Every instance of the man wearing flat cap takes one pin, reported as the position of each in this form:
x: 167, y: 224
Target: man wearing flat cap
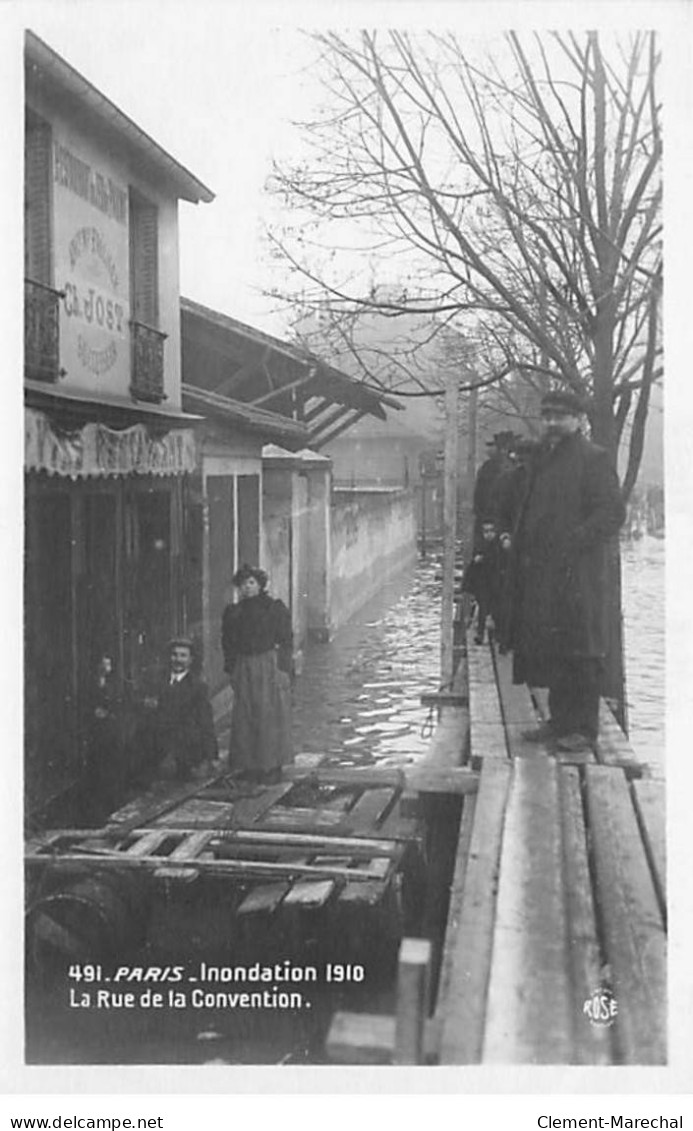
x: 184, y: 725
x: 557, y: 630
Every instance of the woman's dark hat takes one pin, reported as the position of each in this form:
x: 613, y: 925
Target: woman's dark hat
x: 564, y: 401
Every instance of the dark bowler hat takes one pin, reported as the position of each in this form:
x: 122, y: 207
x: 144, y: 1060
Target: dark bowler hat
x: 501, y: 440
x: 564, y: 401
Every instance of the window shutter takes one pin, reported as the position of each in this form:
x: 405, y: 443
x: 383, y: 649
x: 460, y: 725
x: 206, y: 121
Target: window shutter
x: 144, y: 260
x: 37, y: 201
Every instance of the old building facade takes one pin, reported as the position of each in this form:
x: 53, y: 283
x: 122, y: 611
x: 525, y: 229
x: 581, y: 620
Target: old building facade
x: 108, y: 447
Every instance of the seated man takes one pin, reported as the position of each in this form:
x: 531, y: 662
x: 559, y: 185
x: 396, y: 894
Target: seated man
x: 183, y: 723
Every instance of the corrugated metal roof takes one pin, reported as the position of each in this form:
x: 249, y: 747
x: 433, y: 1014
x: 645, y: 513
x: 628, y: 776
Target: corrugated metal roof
x: 57, y: 70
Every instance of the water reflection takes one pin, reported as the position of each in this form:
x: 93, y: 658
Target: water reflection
x: 644, y: 623
x: 358, y: 698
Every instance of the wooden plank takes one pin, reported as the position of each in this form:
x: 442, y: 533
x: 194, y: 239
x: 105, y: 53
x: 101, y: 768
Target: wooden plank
x: 464, y: 837
x: 592, y: 1042
x: 264, y: 899
x: 368, y: 893
x: 650, y: 807
x: 426, y: 777
x: 484, y: 704
x: 361, y: 1038
x: 613, y: 748
x: 479, y: 659
x: 309, y: 894
x: 250, y: 809
x: 381, y: 867
x: 632, y: 924
x: 224, y: 867
x: 191, y: 846
x: 370, y: 809
x: 180, y: 873
x: 400, y: 826
x: 516, y: 702
x: 348, y: 845
x: 295, y: 818
x: 368, y: 776
x: 530, y: 964
x: 413, y: 987
x: 369, y: 1038
x: 487, y: 732
x: 42, y: 841
x: 156, y: 801
x: 199, y: 814
x: 147, y: 843
x: 449, y: 746
x: 366, y: 847
x: 465, y: 1008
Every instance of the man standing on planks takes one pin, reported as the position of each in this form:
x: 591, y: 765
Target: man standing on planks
x: 557, y: 593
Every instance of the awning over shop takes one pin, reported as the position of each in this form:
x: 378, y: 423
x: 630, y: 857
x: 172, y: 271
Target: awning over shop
x: 96, y: 450
x: 227, y: 358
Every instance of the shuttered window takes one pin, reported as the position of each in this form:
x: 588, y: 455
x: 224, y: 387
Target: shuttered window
x: 37, y: 200
x: 144, y: 260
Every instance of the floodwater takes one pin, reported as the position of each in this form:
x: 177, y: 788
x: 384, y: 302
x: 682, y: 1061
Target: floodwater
x: 644, y: 625
x: 357, y: 700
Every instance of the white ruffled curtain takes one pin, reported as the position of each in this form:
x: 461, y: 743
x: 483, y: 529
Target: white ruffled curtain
x: 96, y: 450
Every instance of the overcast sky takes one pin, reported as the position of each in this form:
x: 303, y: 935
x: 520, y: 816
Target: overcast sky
x: 218, y: 93
x: 217, y: 85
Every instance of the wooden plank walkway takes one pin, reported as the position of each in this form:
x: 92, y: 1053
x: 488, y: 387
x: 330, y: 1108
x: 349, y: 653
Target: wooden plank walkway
x: 558, y: 899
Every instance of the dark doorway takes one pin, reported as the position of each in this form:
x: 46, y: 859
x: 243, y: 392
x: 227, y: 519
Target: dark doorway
x: 220, y: 496
x: 52, y: 752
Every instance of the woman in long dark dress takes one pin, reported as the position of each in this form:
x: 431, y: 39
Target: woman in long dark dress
x: 257, y: 640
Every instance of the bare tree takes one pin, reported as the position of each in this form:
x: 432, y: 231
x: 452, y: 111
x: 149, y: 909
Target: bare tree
x: 517, y: 192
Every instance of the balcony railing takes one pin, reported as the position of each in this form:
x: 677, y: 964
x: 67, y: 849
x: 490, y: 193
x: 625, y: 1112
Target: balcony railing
x: 41, y: 331
x: 147, y: 363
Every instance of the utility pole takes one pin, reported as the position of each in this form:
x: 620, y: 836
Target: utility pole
x: 466, y: 512
x: 450, y: 476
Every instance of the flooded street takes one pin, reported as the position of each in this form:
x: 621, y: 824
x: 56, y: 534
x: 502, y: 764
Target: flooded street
x: 358, y: 697
x: 644, y: 625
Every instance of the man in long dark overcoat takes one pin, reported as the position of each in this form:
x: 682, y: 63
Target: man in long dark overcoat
x: 486, y: 485
x: 572, y: 505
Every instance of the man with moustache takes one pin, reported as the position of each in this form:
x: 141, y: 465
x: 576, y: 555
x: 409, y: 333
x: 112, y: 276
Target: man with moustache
x: 570, y: 508
x: 184, y: 726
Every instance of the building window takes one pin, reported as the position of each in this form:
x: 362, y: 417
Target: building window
x: 37, y: 200
x: 147, y: 340
x: 144, y: 260
x: 41, y: 300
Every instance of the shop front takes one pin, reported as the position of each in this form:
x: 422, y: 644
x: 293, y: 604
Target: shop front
x: 105, y: 576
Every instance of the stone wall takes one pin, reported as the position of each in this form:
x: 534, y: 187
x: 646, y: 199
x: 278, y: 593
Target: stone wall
x: 373, y: 536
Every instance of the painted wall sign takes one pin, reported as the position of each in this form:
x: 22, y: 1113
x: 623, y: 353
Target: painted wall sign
x: 91, y: 268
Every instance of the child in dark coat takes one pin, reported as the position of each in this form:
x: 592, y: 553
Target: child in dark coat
x: 483, y: 577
